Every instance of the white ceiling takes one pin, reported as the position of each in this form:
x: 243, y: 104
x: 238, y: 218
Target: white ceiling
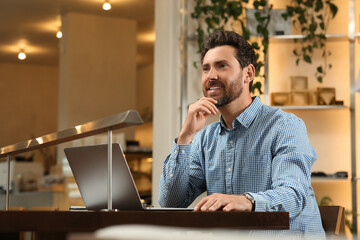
x: 32, y: 25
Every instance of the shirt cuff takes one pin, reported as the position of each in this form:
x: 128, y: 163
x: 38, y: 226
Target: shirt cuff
x: 180, y: 151
x: 260, y: 202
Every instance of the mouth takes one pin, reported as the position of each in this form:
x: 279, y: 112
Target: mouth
x: 214, y: 90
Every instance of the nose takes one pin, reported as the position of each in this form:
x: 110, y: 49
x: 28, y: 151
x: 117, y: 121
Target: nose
x: 213, y: 74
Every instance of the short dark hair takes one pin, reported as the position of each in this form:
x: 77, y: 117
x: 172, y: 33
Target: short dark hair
x: 245, y: 53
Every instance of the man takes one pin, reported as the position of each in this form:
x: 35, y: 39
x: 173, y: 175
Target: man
x: 256, y: 158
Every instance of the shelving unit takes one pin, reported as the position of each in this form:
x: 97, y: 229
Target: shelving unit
x: 329, y: 36
x: 140, y: 164
x: 314, y: 107
x: 329, y: 180
x: 331, y: 129
x: 331, y: 132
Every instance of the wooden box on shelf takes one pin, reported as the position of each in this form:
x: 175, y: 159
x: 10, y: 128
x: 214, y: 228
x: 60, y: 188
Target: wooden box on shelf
x: 280, y: 99
x: 299, y: 98
x: 299, y: 83
x: 326, y: 96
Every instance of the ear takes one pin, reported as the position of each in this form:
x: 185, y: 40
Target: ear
x: 249, y: 73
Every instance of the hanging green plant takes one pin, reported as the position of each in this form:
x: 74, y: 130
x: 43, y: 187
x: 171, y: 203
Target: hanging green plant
x: 312, y: 18
x: 218, y: 14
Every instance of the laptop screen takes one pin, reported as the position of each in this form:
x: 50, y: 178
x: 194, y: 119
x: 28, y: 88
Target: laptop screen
x: 89, y: 165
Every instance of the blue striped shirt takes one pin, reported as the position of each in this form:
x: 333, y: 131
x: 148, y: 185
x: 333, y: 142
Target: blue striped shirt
x: 267, y: 154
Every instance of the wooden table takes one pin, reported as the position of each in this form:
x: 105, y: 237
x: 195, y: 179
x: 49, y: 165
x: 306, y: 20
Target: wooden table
x: 56, y: 224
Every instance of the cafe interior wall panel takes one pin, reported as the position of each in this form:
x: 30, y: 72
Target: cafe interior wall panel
x: 97, y: 68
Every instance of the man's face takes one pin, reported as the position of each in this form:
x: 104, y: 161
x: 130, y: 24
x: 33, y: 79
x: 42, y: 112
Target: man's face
x: 222, y: 77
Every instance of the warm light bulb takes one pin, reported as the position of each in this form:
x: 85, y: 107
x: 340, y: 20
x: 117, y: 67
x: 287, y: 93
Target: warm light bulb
x: 21, y: 55
x: 106, y: 6
x: 59, y: 34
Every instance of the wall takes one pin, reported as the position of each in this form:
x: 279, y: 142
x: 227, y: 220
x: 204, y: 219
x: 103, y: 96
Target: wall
x: 145, y: 90
x: 97, y: 68
x: 144, y: 105
x: 166, y: 85
x: 97, y: 72
x: 28, y: 102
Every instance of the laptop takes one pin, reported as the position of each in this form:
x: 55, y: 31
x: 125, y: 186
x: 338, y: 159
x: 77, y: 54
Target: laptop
x: 89, y: 165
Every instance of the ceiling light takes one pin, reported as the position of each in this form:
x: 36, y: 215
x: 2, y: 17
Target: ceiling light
x: 106, y: 6
x: 22, y: 54
x: 59, y: 34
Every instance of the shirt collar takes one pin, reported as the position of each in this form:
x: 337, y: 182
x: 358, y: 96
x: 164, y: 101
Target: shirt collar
x: 246, y: 117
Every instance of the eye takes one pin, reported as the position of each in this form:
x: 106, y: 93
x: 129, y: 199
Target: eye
x: 223, y: 65
x: 205, y: 68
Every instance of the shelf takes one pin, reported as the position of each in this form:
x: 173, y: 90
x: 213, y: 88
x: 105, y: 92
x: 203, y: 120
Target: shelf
x: 313, y: 107
x: 302, y: 36
x: 138, y: 154
x: 328, y: 179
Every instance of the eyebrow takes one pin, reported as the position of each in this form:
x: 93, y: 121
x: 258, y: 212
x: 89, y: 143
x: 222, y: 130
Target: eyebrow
x: 216, y: 62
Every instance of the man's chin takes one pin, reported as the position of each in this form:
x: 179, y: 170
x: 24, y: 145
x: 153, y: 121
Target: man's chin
x: 214, y: 96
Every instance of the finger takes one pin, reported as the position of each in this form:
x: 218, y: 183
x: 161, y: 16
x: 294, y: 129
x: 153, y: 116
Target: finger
x: 200, y: 204
x: 214, y: 101
x: 196, y: 108
x: 208, y: 102
x: 204, y: 204
x: 205, y: 107
x: 204, y: 115
x: 229, y: 207
x: 211, y: 106
x: 217, y: 205
x: 205, y: 207
x: 233, y: 207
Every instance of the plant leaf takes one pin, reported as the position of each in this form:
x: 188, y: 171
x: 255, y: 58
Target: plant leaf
x: 307, y: 58
x: 285, y: 16
x: 333, y: 9
x: 255, y: 45
x: 257, y: 86
x: 320, y: 79
x: 319, y: 69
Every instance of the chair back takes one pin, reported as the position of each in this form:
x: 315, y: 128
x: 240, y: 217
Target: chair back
x: 333, y: 219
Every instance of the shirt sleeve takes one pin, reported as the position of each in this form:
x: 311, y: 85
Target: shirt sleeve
x: 183, y: 178
x: 293, y: 157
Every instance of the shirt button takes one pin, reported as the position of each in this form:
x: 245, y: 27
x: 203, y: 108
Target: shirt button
x: 231, y: 141
x: 171, y: 175
x: 229, y: 169
x: 183, y: 151
x: 176, y: 151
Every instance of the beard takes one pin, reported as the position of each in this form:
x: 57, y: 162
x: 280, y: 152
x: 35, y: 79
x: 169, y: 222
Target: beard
x: 231, y: 92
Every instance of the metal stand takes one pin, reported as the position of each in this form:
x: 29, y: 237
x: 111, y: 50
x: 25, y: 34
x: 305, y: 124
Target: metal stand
x: 8, y: 184
x: 351, y: 30
x: 109, y: 185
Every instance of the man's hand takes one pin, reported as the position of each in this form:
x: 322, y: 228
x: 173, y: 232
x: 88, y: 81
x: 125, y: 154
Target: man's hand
x: 196, y: 117
x: 227, y: 202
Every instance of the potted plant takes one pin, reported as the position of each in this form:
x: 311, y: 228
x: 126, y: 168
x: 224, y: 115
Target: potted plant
x: 312, y: 18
